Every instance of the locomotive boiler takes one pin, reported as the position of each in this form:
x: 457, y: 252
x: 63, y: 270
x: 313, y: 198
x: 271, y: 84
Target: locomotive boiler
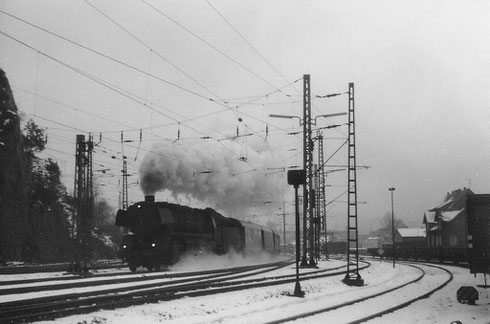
x: 160, y: 232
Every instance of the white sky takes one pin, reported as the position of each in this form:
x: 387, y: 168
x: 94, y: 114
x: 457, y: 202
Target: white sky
x: 421, y: 72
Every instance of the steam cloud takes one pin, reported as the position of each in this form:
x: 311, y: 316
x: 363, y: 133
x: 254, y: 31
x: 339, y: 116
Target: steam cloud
x: 210, y: 172
x: 204, y: 260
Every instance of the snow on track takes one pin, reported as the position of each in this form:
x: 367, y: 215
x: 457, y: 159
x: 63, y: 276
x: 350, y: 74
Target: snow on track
x: 269, y: 303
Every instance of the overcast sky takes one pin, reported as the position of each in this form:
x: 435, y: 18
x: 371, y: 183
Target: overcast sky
x: 184, y: 70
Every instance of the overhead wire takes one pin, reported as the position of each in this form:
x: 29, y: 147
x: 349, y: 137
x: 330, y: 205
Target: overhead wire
x: 201, y: 39
x: 208, y: 44
x: 114, y: 88
x: 150, y: 48
x: 143, y: 43
x: 128, y: 127
x: 249, y: 44
x: 231, y: 172
x: 111, y: 58
x: 103, y: 83
x: 73, y: 108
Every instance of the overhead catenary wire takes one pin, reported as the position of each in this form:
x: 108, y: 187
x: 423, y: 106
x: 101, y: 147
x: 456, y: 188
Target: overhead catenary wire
x: 252, y: 101
x: 249, y: 44
x: 114, y: 88
x: 103, y: 83
x: 150, y: 48
x: 85, y: 74
x: 127, y: 128
x: 208, y: 43
x: 121, y: 141
x: 110, y: 57
x: 125, y: 141
x: 78, y: 109
x: 201, y: 39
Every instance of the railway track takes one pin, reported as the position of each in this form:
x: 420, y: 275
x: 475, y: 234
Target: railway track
x: 56, y: 267
x: 10, y: 287
x: 152, y: 290
x: 115, y: 292
x: 378, y: 303
x: 166, y: 287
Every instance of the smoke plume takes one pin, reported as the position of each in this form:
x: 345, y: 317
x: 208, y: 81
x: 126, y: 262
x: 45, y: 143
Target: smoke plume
x: 211, y: 172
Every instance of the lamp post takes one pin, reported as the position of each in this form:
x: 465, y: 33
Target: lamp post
x: 308, y: 229
x: 392, y: 225
x: 296, y: 178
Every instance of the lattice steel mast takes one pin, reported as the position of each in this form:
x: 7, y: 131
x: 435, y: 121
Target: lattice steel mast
x: 321, y: 218
x: 308, y: 259
x: 79, y: 192
x: 124, y: 200
x: 84, y: 197
x: 352, y: 277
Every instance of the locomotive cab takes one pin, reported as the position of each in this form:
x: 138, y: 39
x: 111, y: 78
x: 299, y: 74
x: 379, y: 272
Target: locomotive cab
x: 148, y: 242
x: 160, y: 232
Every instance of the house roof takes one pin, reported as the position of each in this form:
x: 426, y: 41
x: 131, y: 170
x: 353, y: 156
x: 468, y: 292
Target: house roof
x: 451, y: 207
x: 449, y: 215
x: 429, y: 217
x: 411, y: 232
x: 455, y: 200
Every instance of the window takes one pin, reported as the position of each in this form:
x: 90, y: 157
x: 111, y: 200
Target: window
x: 438, y: 240
x: 453, y: 240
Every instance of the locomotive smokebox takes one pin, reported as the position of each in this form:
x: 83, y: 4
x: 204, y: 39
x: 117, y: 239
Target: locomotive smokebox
x: 150, y: 199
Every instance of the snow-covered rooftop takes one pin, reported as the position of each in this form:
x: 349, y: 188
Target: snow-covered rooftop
x: 453, y: 200
x: 449, y: 215
x: 429, y: 217
x: 451, y: 207
x: 411, y: 232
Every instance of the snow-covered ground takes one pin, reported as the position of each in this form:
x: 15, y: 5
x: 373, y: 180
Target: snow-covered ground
x: 265, y: 304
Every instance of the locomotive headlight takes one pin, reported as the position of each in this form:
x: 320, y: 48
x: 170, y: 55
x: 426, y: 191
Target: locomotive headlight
x: 153, y: 244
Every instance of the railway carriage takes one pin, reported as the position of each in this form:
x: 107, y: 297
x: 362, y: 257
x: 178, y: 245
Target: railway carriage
x: 253, y: 237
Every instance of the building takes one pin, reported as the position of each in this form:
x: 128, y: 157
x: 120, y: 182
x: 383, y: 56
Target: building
x: 410, y: 237
x: 445, y: 224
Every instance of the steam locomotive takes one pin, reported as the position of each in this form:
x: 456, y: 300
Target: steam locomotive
x: 160, y: 232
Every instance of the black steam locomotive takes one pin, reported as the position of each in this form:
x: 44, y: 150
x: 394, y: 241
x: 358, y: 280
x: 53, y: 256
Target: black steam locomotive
x: 160, y: 232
